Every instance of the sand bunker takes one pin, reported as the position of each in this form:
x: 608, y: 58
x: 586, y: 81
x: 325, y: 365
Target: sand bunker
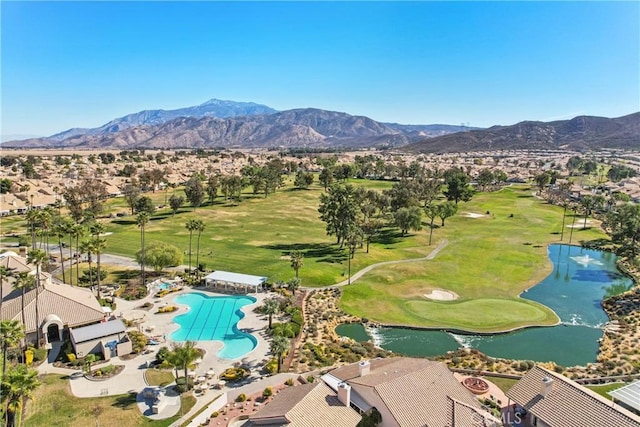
x: 440, y: 295
x: 473, y: 215
x: 582, y: 224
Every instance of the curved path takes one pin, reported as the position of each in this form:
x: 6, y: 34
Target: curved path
x: 365, y: 270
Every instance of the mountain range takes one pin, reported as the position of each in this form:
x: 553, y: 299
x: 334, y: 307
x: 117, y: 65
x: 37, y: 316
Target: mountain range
x: 579, y: 133
x: 228, y: 124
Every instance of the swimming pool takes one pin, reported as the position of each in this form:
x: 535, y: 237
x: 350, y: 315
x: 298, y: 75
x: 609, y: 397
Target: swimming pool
x: 164, y: 286
x: 215, y: 318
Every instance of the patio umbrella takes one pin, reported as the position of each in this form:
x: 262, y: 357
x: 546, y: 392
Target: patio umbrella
x: 210, y: 373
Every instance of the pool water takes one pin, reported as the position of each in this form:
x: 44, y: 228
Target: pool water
x: 164, y: 286
x: 215, y: 319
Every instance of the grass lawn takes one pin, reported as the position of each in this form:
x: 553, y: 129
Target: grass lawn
x: 503, y: 384
x: 53, y: 405
x: 602, y: 390
x: 256, y: 236
x: 158, y: 377
x: 488, y: 262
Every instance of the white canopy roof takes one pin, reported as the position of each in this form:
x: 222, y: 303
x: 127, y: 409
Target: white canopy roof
x: 629, y: 394
x: 237, y: 278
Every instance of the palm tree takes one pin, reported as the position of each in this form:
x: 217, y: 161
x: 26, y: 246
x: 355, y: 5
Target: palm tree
x: 278, y: 346
x: 142, y: 219
x: 98, y: 244
x: 32, y: 219
x: 270, y: 307
x: 11, y: 333
x: 297, y: 261
x: 74, y: 229
x: 184, y: 356
x: 4, y: 273
x: 78, y: 231
x: 199, y: 224
x: 191, y: 225
x: 45, y: 221
x: 293, y: 285
x: 61, y: 229
x: 37, y: 257
x: 17, y: 387
x: 87, y: 247
x: 24, y: 282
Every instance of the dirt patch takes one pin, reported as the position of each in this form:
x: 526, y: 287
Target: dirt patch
x: 473, y: 215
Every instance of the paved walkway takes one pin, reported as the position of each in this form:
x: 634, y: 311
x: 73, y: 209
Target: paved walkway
x: 367, y: 269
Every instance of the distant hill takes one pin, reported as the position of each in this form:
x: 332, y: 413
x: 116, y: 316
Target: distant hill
x: 307, y: 127
x: 211, y: 108
x: 579, y: 133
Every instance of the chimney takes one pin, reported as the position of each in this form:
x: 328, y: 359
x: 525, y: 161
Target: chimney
x: 364, y: 368
x: 344, y: 394
x: 547, y: 386
x: 22, y: 251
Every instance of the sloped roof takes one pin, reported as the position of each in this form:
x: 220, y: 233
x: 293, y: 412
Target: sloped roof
x: 309, y: 405
x: 98, y: 330
x: 417, y: 392
x: 74, y: 305
x: 568, y: 403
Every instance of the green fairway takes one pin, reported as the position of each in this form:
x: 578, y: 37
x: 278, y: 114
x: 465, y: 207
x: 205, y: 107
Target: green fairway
x: 256, y: 236
x: 488, y: 262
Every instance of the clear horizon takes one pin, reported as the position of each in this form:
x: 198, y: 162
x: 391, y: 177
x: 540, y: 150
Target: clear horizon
x: 82, y: 64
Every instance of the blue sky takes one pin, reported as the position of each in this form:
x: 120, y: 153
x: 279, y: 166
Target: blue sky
x: 80, y: 64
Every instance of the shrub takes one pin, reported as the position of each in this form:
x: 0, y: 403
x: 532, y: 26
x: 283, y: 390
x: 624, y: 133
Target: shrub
x: 289, y: 382
x: 39, y: 354
x: 272, y: 366
x: 268, y: 392
x: 162, y: 354
x: 234, y: 374
x: 71, y: 357
x: 241, y: 397
x: 215, y: 414
x: 311, y: 379
x: 28, y: 357
x: 138, y: 341
x: 180, y: 384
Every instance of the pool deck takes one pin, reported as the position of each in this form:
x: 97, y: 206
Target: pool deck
x: 132, y: 379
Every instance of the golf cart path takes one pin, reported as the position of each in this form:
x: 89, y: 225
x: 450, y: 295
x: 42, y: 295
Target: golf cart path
x: 365, y: 270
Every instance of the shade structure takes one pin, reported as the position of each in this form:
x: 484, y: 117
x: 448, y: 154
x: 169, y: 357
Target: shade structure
x: 227, y: 278
x: 629, y: 395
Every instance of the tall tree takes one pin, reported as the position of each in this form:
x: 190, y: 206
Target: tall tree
x: 213, y: 183
x: 24, y: 282
x: 37, y: 257
x: 447, y: 210
x: 431, y: 211
x: 408, y: 219
x: 326, y: 178
x: 199, y: 228
x: 194, y: 191
x: 458, y: 188
x: 175, y: 202
x: 191, y: 226
x: 278, y: 346
x: 131, y: 194
x: 542, y: 180
x: 625, y: 227
x: 11, y: 333
x: 184, y: 356
x: 293, y: 285
x: 17, y: 387
x: 339, y: 211
x: 76, y: 232
x: 61, y: 229
x: 270, y: 307
x: 297, y: 261
x: 142, y: 219
x: 97, y: 229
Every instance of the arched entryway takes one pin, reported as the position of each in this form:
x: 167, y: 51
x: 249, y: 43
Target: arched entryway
x: 52, y: 328
x: 53, y: 332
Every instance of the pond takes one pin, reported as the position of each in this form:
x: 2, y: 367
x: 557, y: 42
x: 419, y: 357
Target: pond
x: 573, y: 290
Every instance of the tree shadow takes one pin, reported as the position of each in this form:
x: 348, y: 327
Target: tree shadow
x: 324, y: 252
x: 125, y: 401
x: 388, y: 236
